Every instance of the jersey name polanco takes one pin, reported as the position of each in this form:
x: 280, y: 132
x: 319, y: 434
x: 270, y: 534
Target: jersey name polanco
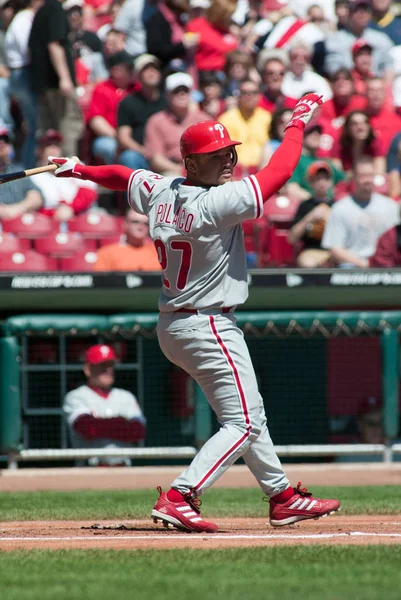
x: 198, y: 235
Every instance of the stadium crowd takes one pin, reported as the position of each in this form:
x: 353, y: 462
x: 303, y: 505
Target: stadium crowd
x: 118, y: 81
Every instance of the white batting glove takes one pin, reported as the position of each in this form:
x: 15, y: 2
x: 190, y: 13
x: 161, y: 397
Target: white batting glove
x: 66, y: 166
x: 304, y: 110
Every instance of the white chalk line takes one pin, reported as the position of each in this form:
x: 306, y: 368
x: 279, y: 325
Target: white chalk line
x: 200, y: 536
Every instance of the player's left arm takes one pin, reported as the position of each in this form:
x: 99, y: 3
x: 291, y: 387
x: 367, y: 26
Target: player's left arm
x: 271, y: 178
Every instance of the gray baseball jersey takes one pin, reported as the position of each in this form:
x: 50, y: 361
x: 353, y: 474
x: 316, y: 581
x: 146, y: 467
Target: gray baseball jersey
x: 198, y: 236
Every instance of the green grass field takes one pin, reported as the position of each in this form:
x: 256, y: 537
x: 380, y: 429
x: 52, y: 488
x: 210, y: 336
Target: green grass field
x: 137, y: 504
x: 310, y: 573
x: 282, y: 573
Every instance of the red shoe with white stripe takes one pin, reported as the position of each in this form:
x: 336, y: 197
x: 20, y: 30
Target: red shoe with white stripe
x: 302, y: 505
x: 181, y: 515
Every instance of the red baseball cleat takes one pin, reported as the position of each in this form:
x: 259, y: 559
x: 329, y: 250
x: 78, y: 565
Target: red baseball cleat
x: 302, y: 505
x: 181, y: 515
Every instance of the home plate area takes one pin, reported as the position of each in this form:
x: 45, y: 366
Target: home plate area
x: 143, y: 534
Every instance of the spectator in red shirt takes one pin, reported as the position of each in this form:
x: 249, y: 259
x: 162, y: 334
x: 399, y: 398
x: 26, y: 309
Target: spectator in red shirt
x: 216, y: 38
x: 388, y: 249
x: 383, y: 118
x: 272, y: 66
x: 102, y: 112
x: 164, y: 129
x: 358, y: 139
x: 343, y: 101
x: 362, y: 71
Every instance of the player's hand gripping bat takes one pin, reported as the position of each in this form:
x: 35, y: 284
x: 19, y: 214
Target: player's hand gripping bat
x: 6, y: 177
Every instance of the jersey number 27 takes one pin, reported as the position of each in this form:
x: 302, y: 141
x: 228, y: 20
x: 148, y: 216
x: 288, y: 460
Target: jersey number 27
x: 185, y: 263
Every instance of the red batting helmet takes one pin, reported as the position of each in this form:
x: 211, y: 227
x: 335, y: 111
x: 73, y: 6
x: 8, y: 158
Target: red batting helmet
x: 204, y: 137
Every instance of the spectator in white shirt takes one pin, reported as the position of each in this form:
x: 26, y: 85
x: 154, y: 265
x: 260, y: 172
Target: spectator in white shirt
x: 18, y: 61
x: 357, y: 221
x: 300, y: 79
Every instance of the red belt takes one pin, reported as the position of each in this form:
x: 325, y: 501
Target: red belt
x: 224, y: 310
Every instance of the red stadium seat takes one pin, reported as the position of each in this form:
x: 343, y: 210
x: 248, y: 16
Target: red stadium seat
x: 275, y: 249
x: 10, y: 243
x: 94, y: 224
x: 281, y: 209
x: 27, y: 261
x: 83, y: 261
x: 62, y: 244
x: 29, y: 226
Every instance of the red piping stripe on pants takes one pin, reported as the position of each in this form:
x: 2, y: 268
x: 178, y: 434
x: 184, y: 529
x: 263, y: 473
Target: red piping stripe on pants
x: 243, y: 404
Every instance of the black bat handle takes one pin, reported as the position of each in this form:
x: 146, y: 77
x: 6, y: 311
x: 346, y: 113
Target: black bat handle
x: 4, y: 177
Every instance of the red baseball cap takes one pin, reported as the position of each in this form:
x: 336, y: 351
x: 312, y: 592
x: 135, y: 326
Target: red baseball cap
x: 359, y: 45
x: 99, y: 353
x: 319, y: 165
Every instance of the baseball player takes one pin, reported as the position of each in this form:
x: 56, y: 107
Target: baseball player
x: 100, y: 415
x: 195, y: 223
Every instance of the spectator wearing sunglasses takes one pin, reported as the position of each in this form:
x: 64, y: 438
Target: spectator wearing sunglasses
x: 135, y: 250
x: 19, y: 196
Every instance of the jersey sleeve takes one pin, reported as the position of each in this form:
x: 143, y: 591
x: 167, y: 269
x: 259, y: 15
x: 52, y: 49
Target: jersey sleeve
x: 75, y: 406
x: 141, y: 188
x: 134, y: 411
x: 233, y: 203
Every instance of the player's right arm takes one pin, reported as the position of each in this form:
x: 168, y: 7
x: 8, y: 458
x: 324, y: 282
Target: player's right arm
x: 138, y: 184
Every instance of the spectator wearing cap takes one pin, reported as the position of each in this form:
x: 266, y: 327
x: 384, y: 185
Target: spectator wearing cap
x: 299, y: 184
x: 250, y: 123
x: 53, y: 75
x: 358, y: 138
x: 18, y: 61
x: 100, y: 415
x: 135, y: 110
x: 20, y: 196
x: 165, y: 33
x: 311, y: 217
x: 103, y: 107
x: 272, y: 66
x: 357, y: 221
x: 339, y: 43
x: 300, y: 78
x: 367, y: 427
x: 164, y: 129
x: 63, y: 198
x: 362, y: 70
x: 343, y: 101
x: 216, y: 35
x: 134, y: 252
x: 211, y: 87
x: 385, y: 21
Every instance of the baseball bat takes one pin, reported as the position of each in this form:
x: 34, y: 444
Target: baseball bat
x: 6, y: 177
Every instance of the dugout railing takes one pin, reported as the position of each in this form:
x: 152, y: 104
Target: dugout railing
x: 314, y: 368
